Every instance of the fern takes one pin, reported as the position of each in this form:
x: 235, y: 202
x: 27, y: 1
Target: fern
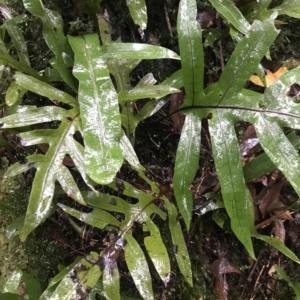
x: 95, y: 115
x: 225, y: 103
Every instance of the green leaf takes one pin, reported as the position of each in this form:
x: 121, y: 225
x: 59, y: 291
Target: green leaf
x: 6, y: 59
x: 105, y: 30
x: 58, y: 277
x: 186, y: 163
x: 152, y: 91
x: 111, y: 282
x: 279, y: 245
x: 66, y: 290
x: 244, y: 61
x: 99, y: 110
x: 187, y: 156
x: 50, y: 166
x: 13, y: 94
x: 179, y: 245
x: 121, y: 69
x: 231, y: 13
x: 279, y: 150
x: 18, y: 40
x: 53, y: 32
x: 237, y: 199
x: 13, y: 281
x: 262, y: 164
x: 148, y: 110
x: 29, y: 115
x: 290, y: 8
x: 80, y: 278
x: 129, y: 154
x: 10, y: 296
x: 258, y: 10
x: 157, y: 251
x: 138, y: 267
x: 191, y: 51
x: 97, y: 218
x: 175, y: 80
x: 293, y: 284
x: 137, y: 51
x: 32, y: 286
x: 138, y: 11
x: 44, y: 89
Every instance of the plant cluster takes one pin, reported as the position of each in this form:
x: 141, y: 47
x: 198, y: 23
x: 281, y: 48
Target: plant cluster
x: 90, y: 121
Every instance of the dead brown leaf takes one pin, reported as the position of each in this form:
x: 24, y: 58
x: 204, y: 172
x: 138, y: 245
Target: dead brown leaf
x: 271, y: 195
x: 220, y: 268
x: 178, y: 118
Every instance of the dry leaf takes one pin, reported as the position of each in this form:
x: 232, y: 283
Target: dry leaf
x: 178, y: 118
x: 270, y: 77
x: 250, y: 143
x: 279, y: 230
x: 271, y: 195
x: 220, y: 268
x: 221, y: 287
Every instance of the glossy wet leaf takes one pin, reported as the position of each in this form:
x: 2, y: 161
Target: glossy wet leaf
x: 58, y: 277
x: 230, y: 103
x: 6, y: 59
x: 152, y: 91
x: 44, y: 89
x: 17, y: 37
x: 232, y: 14
x: 157, y: 251
x: 121, y: 70
x: 290, y: 8
x: 191, y: 51
x: 138, y: 11
x: 138, y: 267
x: 12, y: 94
x: 244, y: 61
x: 187, y: 156
x: 237, y: 198
x: 53, y: 32
x: 99, y: 110
x: 97, y: 218
x: 137, y: 51
x: 262, y: 164
x: 77, y: 282
x: 111, y: 283
x: 121, y: 65
x: 179, y: 245
x: 50, y: 166
x: 129, y: 153
x: 29, y: 115
x: 13, y: 281
x: 149, y: 109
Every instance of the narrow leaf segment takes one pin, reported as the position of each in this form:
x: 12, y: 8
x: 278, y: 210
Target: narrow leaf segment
x: 99, y: 110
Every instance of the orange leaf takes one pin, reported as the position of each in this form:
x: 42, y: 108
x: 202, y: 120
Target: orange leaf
x: 270, y: 77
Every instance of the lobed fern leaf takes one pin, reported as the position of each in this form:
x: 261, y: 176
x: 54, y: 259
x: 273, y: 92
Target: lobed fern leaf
x: 226, y: 102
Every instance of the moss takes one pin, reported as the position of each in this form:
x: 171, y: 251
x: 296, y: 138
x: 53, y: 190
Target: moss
x: 40, y: 252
